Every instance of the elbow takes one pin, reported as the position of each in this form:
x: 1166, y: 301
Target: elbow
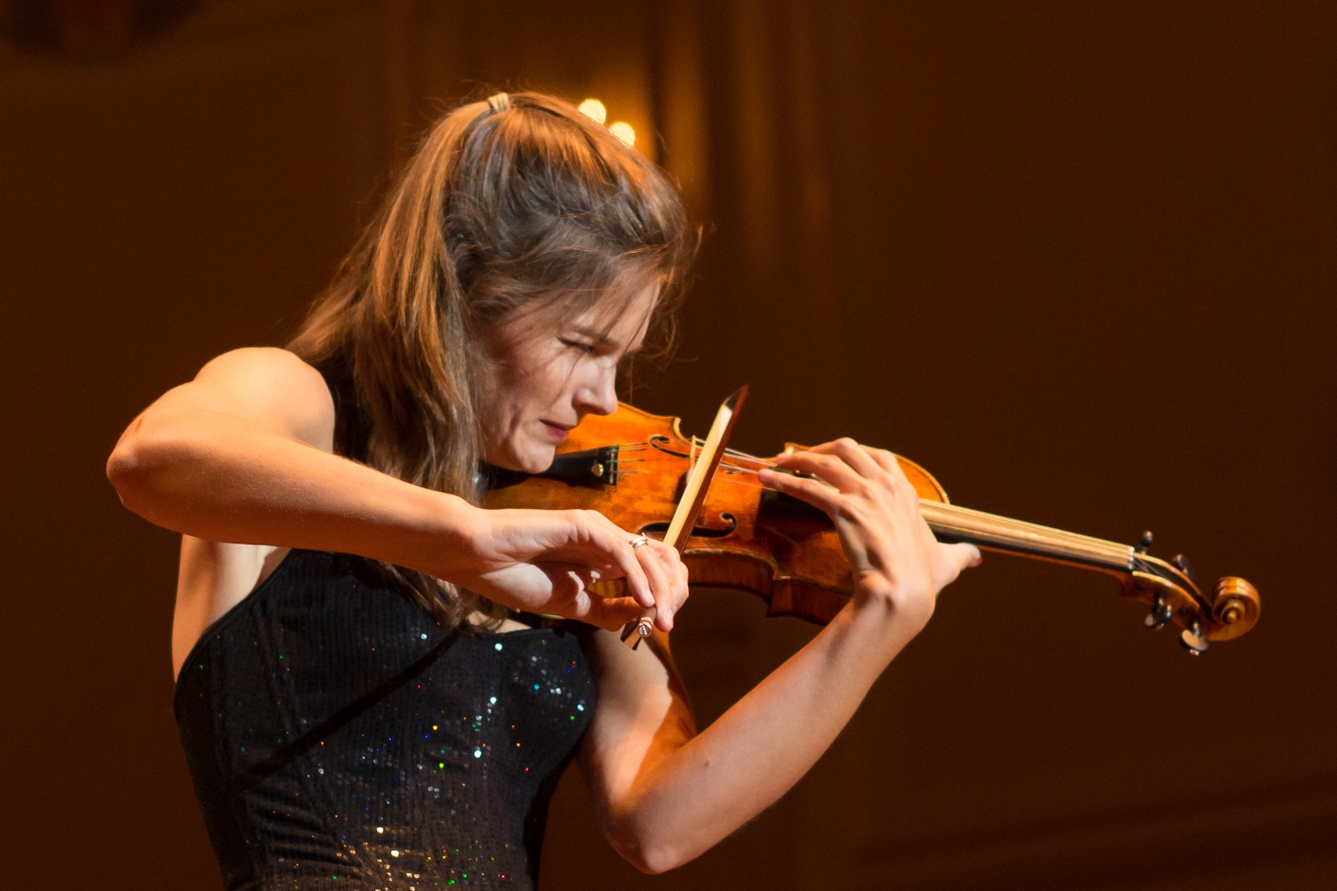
x: 659, y: 862
x: 644, y: 849
x: 652, y: 860
x: 123, y: 468
x: 128, y: 471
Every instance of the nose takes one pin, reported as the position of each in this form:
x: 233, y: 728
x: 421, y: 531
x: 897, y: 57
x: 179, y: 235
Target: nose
x: 598, y: 394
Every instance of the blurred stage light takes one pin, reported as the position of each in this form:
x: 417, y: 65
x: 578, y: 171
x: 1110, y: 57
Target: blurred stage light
x: 622, y: 130
x: 595, y: 109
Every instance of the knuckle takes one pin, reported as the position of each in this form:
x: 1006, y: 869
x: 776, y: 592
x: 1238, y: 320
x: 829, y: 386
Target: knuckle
x: 902, y: 485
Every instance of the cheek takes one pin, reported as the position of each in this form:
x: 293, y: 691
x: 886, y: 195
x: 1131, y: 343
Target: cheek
x: 521, y: 388
x: 542, y: 379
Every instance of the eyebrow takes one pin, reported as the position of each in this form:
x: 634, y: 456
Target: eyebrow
x: 601, y: 338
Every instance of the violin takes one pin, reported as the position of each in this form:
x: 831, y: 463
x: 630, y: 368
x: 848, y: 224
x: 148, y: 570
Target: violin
x: 632, y: 467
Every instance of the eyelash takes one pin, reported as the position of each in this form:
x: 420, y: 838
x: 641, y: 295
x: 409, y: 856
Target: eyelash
x: 586, y: 348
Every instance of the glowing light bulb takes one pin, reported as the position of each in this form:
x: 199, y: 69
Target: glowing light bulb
x: 623, y: 131
x: 595, y: 109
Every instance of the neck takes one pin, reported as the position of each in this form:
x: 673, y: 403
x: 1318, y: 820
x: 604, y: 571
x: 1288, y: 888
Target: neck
x: 951, y: 523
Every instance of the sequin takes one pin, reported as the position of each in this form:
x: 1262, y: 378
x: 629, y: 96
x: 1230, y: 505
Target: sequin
x: 292, y: 805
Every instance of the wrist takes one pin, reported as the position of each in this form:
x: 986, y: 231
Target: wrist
x: 890, y: 617
x: 442, y: 540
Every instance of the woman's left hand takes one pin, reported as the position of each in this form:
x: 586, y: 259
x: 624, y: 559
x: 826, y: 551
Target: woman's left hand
x: 897, y: 563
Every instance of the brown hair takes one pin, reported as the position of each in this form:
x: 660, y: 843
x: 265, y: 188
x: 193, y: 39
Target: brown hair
x: 503, y: 204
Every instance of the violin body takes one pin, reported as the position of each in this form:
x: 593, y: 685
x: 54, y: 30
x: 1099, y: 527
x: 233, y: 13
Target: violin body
x: 630, y: 466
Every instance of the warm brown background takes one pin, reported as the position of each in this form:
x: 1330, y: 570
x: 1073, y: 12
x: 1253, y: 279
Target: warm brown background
x: 1078, y: 261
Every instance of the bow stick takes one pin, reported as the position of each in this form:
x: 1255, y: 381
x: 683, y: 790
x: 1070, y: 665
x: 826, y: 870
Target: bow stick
x: 693, y: 497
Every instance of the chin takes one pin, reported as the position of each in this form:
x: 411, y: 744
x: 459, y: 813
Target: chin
x: 535, y: 460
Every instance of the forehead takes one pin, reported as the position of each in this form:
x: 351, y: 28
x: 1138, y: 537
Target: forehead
x: 616, y: 319
x: 620, y: 319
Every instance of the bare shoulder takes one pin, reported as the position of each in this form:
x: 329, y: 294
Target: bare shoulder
x: 259, y: 365
x: 263, y: 385
x: 274, y: 384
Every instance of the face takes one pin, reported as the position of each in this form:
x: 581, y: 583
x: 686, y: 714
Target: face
x: 544, y: 374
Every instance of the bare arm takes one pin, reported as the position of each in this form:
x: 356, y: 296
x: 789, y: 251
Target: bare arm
x: 243, y: 454
x: 666, y: 794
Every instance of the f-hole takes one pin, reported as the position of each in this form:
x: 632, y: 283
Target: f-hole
x: 661, y: 529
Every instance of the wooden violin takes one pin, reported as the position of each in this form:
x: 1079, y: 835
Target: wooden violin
x: 631, y: 466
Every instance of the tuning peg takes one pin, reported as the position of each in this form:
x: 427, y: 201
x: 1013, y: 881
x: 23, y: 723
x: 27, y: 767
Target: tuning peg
x: 1193, y: 641
x: 1181, y: 563
x: 1159, y: 615
x: 1144, y: 543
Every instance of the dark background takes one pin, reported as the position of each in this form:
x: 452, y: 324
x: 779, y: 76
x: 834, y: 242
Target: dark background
x: 1078, y: 260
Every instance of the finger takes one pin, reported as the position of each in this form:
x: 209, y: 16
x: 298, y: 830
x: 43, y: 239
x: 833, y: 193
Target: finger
x: 857, y: 456
x: 887, y: 461
x: 815, y: 493
x: 652, y: 560
x: 610, y: 613
x: 675, y: 571
x: 615, y: 543
x: 827, y: 467
x: 571, y: 597
x: 683, y: 590
x: 960, y: 557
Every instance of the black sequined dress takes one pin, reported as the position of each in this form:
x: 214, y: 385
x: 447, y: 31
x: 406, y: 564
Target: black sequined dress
x: 339, y: 738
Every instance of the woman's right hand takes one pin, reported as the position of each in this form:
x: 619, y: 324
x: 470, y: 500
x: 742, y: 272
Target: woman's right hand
x: 543, y: 561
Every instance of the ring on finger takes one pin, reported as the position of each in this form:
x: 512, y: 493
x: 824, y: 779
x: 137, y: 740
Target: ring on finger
x: 638, y: 541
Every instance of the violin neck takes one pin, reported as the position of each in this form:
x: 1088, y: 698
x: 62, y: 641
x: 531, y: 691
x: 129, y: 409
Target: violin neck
x: 960, y: 524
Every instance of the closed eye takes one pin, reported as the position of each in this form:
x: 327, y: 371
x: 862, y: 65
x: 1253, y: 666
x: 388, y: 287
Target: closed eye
x: 586, y: 348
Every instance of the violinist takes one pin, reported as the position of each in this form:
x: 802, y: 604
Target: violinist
x: 368, y: 693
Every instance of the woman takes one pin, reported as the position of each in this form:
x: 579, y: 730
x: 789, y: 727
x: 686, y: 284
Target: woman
x: 365, y: 693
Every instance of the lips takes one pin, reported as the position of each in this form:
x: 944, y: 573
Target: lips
x: 557, y: 431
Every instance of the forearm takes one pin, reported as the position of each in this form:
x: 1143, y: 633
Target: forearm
x: 697, y: 794
x: 219, y: 477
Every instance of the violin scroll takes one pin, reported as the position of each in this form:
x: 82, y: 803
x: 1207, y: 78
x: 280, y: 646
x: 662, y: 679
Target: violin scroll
x: 1235, y: 607
x: 1230, y: 610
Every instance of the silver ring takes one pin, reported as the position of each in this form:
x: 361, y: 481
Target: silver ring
x: 638, y: 541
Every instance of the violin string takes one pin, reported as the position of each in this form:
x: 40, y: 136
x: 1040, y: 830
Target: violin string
x: 695, y: 443
x: 966, y: 521
x: 969, y: 523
